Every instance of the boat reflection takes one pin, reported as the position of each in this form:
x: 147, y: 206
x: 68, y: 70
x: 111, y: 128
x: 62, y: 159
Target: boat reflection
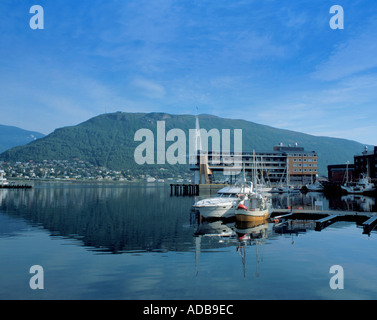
x: 359, y: 202
x: 3, y: 193
x: 217, y: 234
x: 252, y: 233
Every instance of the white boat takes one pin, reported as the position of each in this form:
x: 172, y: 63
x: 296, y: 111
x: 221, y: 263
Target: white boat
x: 362, y: 186
x: 223, y: 205
x: 316, y: 186
x: 253, y: 207
x: 3, y: 180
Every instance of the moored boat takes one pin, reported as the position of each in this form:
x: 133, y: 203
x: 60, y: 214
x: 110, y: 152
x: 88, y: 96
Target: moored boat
x: 253, y: 208
x: 225, y: 202
x: 316, y: 186
x: 364, y: 185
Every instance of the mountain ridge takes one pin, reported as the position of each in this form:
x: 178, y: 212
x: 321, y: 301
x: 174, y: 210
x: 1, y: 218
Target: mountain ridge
x: 12, y: 136
x: 108, y: 140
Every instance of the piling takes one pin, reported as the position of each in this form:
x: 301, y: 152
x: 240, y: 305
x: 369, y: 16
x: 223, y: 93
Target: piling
x: 184, y: 189
x: 15, y: 186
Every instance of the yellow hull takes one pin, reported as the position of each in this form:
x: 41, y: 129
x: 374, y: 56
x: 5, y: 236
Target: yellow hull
x: 252, y: 216
x: 242, y: 225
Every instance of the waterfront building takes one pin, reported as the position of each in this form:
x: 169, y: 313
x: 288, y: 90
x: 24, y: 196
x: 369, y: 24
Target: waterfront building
x: 271, y: 166
x: 366, y: 163
x: 302, y: 165
x: 337, y: 173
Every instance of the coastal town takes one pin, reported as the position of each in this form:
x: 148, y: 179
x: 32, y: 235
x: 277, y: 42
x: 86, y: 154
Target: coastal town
x: 80, y: 170
x: 275, y: 165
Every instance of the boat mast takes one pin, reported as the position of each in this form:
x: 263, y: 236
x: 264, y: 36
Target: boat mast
x: 254, y: 170
x: 347, y: 173
x: 287, y: 172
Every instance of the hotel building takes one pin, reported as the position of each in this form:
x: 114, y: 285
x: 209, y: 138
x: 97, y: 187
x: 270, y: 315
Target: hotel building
x: 273, y: 166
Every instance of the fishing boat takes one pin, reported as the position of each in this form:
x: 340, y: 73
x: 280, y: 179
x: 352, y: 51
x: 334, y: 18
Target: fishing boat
x: 364, y: 185
x: 225, y: 202
x: 253, y: 207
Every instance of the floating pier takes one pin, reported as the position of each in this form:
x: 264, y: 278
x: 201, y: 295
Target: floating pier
x: 326, y: 221
x: 369, y: 225
x: 322, y: 219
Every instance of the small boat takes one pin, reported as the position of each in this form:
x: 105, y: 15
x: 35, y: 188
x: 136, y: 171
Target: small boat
x: 3, y: 180
x: 316, y: 186
x: 225, y: 202
x: 253, y: 207
x: 364, y: 185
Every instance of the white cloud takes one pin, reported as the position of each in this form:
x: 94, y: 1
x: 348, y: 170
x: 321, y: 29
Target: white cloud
x: 149, y: 88
x: 358, y: 54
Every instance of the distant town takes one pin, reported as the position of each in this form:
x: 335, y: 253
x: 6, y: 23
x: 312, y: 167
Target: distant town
x: 80, y: 170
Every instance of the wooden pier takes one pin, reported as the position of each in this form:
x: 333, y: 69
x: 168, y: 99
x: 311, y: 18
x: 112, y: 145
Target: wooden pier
x: 184, y: 189
x: 324, y: 218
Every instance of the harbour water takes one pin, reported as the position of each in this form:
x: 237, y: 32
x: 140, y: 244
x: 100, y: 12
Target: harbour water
x: 103, y: 241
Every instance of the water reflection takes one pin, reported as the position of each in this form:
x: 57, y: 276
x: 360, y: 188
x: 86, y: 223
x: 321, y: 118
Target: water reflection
x: 134, y: 218
x: 359, y: 203
x: 214, y: 235
x: 112, y: 219
x: 320, y: 201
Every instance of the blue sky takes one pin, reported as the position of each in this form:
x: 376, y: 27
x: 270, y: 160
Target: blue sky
x: 272, y: 62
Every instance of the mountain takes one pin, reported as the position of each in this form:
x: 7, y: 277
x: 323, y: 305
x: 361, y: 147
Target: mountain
x: 108, y: 140
x: 12, y: 136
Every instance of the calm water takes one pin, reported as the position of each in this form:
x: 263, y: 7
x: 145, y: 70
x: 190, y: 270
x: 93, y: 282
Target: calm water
x: 138, y: 242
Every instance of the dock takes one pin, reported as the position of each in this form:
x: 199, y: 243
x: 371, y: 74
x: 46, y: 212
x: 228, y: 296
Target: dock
x: 324, y: 218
